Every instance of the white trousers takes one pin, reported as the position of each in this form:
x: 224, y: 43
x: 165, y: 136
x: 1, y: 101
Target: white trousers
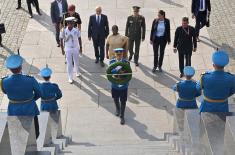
x: 72, y: 56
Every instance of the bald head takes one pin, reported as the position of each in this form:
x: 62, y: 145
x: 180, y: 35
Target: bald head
x: 98, y: 10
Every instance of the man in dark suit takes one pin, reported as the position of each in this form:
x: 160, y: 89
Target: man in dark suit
x: 201, y: 10
x: 98, y: 30
x: 185, y: 42
x: 29, y: 2
x: 58, y: 8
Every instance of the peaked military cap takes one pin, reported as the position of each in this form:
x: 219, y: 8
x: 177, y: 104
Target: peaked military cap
x: 14, y: 61
x: 220, y: 58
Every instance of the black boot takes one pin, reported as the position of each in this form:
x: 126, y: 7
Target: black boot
x: 117, y: 104
x: 122, y: 121
x: 123, y: 107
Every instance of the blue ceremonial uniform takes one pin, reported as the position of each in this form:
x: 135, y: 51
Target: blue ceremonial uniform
x: 50, y: 94
x: 217, y: 86
x: 187, y: 94
x: 115, y: 86
x: 22, y: 92
x: 119, y: 91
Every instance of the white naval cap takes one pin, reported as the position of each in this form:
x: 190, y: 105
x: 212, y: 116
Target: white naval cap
x: 70, y: 19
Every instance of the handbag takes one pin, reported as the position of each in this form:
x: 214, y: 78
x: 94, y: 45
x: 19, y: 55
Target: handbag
x: 2, y: 28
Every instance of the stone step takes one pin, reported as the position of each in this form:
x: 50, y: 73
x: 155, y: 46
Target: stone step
x: 123, y: 148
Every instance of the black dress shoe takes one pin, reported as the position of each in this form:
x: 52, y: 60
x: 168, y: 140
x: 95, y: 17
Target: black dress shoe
x: 18, y: 7
x: 117, y: 113
x: 130, y: 57
x: 96, y: 61
x: 58, y: 45
x: 122, y: 121
x: 181, y: 75
x: 136, y: 64
x: 31, y: 16
x: 39, y: 13
x: 160, y: 69
x: 102, y: 64
x: 154, y: 69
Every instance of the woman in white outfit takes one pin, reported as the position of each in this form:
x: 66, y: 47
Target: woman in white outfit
x: 71, y: 45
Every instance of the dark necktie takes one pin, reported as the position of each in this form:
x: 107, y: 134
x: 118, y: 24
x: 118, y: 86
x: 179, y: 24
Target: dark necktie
x: 201, y: 4
x: 98, y: 20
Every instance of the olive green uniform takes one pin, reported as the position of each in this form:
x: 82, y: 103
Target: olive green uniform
x: 135, y: 30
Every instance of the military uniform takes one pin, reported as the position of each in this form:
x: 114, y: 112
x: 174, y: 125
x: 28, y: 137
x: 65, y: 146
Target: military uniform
x: 187, y: 91
x: 22, y: 92
x: 119, y: 92
x: 135, y: 30
x: 50, y: 92
x: 72, y: 47
x: 217, y: 86
x: 116, y: 41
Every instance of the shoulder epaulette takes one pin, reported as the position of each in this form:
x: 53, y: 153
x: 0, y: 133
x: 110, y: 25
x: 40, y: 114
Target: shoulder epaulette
x: 54, y: 84
x: 229, y: 73
x: 27, y: 75
x: 4, y: 77
x: 204, y: 73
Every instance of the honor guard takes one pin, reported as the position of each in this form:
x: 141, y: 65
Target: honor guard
x: 135, y: 30
x: 21, y: 90
x: 187, y: 90
x: 217, y: 85
x: 71, y: 45
x: 50, y: 92
x: 119, y: 92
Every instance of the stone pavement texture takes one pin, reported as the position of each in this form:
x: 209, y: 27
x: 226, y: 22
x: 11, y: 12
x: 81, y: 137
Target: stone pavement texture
x: 16, y: 23
x: 87, y: 106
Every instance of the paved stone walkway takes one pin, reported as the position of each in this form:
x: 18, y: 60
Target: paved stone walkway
x: 16, y: 22
x: 222, y: 30
x: 87, y: 107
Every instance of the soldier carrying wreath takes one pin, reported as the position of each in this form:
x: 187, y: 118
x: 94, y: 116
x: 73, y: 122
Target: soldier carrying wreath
x: 119, y: 73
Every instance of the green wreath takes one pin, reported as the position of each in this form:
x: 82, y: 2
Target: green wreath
x: 119, y: 79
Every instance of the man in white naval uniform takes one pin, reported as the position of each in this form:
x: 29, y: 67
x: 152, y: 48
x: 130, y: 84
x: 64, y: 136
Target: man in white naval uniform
x: 71, y: 45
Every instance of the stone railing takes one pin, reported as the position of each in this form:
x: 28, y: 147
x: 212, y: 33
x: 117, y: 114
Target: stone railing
x: 205, y: 133
x: 17, y: 135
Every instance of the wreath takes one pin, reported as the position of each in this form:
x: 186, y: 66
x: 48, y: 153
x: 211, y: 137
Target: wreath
x: 125, y: 73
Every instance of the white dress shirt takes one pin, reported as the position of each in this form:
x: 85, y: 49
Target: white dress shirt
x: 203, y: 7
x: 59, y: 3
x: 97, y: 18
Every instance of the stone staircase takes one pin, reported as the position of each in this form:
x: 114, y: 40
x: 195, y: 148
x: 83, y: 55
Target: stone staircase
x: 142, y: 147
